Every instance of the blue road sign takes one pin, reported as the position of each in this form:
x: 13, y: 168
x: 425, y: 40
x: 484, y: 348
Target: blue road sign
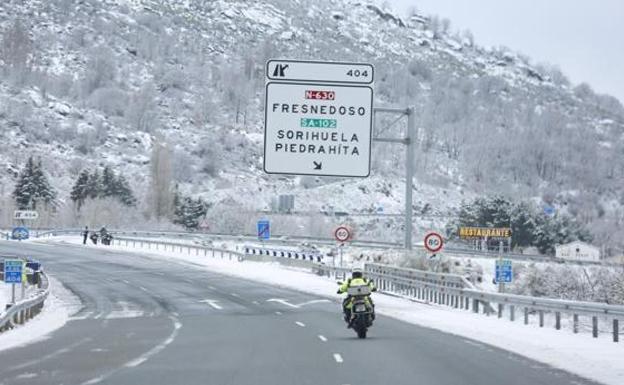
x: 504, y: 271
x: 549, y: 211
x: 13, y: 271
x: 20, y: 233
x: 264, y: 229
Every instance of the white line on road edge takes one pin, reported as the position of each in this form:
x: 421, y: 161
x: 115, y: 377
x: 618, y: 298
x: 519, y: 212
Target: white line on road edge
x: 134, y: 363
x: 300, y: 324
x: 212, y: 303
x: 338, y: 358
x: 322, y: 338
x: 51, y: 355
x: 177, y: 325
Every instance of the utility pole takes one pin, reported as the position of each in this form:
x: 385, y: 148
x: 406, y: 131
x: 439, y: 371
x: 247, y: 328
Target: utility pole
x: 409, y: 141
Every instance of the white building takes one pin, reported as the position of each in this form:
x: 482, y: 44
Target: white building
x: 578, y: 250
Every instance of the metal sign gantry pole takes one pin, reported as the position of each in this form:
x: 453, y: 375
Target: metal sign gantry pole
x: 409, y: 141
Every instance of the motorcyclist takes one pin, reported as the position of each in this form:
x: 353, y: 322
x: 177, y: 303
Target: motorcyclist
x: 357, y: 279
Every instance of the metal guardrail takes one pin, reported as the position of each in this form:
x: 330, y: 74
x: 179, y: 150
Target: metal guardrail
x: 458, y: 293
x: 180, y: 247
x: 296, y: 240
x: 442, y: 289
x: 27, y: 308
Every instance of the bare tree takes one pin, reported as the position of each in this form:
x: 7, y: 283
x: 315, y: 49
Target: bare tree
x: 15, y: 51
x: 161, y: 195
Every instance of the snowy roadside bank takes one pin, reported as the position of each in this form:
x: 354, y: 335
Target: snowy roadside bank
x: 598, y: 359
x: 61, y: 303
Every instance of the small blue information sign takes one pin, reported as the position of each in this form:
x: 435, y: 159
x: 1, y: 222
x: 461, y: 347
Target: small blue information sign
x: 13, y: 270
x: 20, y: 233
x: 264, y: 229
x: 504, y: 271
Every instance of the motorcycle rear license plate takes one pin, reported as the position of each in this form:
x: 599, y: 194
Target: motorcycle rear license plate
x: 360, y: 308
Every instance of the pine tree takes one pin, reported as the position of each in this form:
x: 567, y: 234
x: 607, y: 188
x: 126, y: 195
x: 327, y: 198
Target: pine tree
x: 108, y: 183
x: 123, y: 192
x: 79, y: 191
x: 94, y: 185
x: 24, y: 192
x: 33, y: 187
x: 187, y: 211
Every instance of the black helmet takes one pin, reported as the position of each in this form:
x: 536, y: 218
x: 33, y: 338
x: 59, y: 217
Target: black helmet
x: 357, y: 273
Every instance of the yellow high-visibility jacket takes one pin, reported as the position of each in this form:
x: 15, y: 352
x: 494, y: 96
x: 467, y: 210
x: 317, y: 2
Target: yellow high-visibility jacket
x: 356, y: 282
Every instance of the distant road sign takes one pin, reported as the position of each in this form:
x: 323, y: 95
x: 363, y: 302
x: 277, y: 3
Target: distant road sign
x: 342, y: 234
x: 13, y: 270
x: 25, y: 214
x: 433, y: 242
x: 322, y: 72
x: 484, y: 232
x: 264, y: 229
x: 549, y: 210
x: 504, y: 271
x: 20, y: 233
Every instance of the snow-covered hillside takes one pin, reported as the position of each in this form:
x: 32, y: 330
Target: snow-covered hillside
x: 95, y: 83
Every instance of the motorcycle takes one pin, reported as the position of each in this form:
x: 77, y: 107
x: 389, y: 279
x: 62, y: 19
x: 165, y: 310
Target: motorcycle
x: 362, y: 311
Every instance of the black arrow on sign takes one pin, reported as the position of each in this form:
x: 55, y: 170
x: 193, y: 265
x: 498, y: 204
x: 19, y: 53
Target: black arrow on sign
x: 318, y: 165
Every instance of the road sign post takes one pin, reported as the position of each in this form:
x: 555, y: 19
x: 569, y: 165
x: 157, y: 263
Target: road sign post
x: 503, y: 273
x: 318, y: 118
x: 264, y: 230
x: 25, y: 215
x: 13, y: 274
x: 20, y: 233
x: 433, y: 242
x: 342, y: 234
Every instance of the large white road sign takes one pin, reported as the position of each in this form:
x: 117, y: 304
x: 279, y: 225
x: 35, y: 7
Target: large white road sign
x: 318, y: 129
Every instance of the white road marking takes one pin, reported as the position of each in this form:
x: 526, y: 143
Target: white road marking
x: 338, y: 358
x: 235, y: 295
x: 51, y: 355
x: 144, y: 289
x: 81, y: 317
x: 212, y: 303
x: 125, y: 281
x: 322, y: 338
x: 158, y: 348
x: 278, y: 312
x: 313, y: 301
x: 296, y: 306
x: 255, y: 302
x: 99, y: 316
x: 93, y: 380
x: 300, y: 324
x: 26, y: 376
x: 283, y: 302
x: 212, y: 288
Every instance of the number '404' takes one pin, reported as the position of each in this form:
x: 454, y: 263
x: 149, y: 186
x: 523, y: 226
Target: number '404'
x: 357, y: 73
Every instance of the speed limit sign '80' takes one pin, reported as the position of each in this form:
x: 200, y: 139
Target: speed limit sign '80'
x: 433, y: 242
x: 342, y: 234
